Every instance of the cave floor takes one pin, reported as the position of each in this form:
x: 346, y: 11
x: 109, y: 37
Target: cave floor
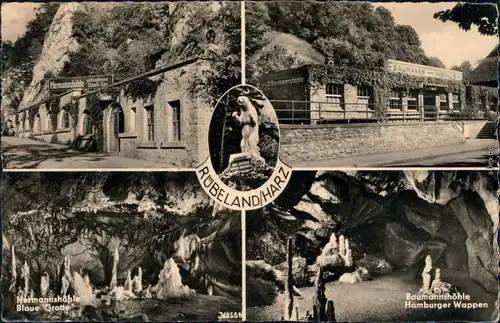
x: 383, y: 299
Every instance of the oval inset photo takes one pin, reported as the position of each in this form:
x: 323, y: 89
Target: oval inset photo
x: 244, y: 138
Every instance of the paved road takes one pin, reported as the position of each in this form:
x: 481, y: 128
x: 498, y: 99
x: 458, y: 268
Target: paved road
x: 29, y: 154
x: 473, y: 153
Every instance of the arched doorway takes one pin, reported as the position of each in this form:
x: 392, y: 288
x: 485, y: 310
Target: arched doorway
x: 37, y: 124
x: 117, y: 127
x: 87, y: 125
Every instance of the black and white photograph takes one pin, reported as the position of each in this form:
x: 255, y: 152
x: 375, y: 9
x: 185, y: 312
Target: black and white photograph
x: 244, y: 138
x: 117, y: 247
x: 375, y: 246
x: 359, y: 84
x: 107, y: 85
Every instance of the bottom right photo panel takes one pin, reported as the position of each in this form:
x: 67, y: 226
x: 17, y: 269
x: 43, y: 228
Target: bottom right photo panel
x: 375, y: 246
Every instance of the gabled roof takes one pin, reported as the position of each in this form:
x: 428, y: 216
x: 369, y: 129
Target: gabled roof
x: 486, y: 73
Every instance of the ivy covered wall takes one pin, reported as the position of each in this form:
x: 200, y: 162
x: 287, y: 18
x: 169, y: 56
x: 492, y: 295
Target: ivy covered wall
x: 380, y: 80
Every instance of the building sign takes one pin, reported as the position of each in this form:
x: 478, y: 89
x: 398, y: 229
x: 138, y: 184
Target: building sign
x: 79, y: 83
x: 288, y: 81
x: 423, y: 71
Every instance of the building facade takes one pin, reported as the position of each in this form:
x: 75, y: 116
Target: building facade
x: 399, y: 91
x: 169, y: 127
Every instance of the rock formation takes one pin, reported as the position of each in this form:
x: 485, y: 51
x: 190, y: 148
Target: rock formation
x: 58, y: 44
x: 170, y: 282
x: 44, y: 284
x: 426, y: 275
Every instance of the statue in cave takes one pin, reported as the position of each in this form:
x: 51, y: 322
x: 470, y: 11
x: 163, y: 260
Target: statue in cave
x: 170, y: 282
x: 248, y: 119
x: 426, y: 275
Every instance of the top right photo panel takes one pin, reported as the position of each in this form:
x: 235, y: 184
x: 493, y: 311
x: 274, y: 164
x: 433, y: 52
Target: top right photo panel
x: 359, y: 84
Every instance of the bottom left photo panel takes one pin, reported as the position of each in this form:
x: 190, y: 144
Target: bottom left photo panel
x: 114, y: 246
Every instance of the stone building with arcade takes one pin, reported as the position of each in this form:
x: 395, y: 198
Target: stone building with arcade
x: 169, y: 126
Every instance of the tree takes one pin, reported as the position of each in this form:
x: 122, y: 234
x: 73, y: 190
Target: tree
x: 484, y: 16
x: 434, y: 62
x: 465, y: 68
x: 353, y: 33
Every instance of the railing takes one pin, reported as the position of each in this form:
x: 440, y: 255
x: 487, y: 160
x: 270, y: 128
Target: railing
x: 309, y: 112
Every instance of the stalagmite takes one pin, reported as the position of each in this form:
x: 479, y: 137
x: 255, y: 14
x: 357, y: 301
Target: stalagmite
x: 137, y: 282
x: 329, y: 250
x: 349, y: 262
x: 86, y: 279
x: 330, y: 311
x: 342, y: 245
x: 13, y: 280
x: 170, y: 282
x: 44, y: 284
x: 147, y: 293
x: 127, y: 287
x: 64, y: 285
x: 289, y: 306
x: 25, y: 273
x: 114, y: 272
x: 426, y: 276
x: 84, y: 291
x: 437, y: 276
x: 210, y: 290
x: 319, y: 300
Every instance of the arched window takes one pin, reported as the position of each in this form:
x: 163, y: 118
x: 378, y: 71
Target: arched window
x: 65, y: 119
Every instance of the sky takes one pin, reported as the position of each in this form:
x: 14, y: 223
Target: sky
x: 443, y: 40
x: 15, y: 17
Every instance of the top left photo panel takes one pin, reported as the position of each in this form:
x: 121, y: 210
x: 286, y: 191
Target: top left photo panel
x: 114, y: 85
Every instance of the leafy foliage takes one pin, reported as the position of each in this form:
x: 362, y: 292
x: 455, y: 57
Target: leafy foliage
x: 110, y: 46
x: 483, y: 16
x: 465, y: 68
x: 224, y: 57
x: 351, y: 33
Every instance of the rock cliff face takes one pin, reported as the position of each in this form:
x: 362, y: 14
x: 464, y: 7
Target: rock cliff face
x: 399, y: 217
x: 58, y: 44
